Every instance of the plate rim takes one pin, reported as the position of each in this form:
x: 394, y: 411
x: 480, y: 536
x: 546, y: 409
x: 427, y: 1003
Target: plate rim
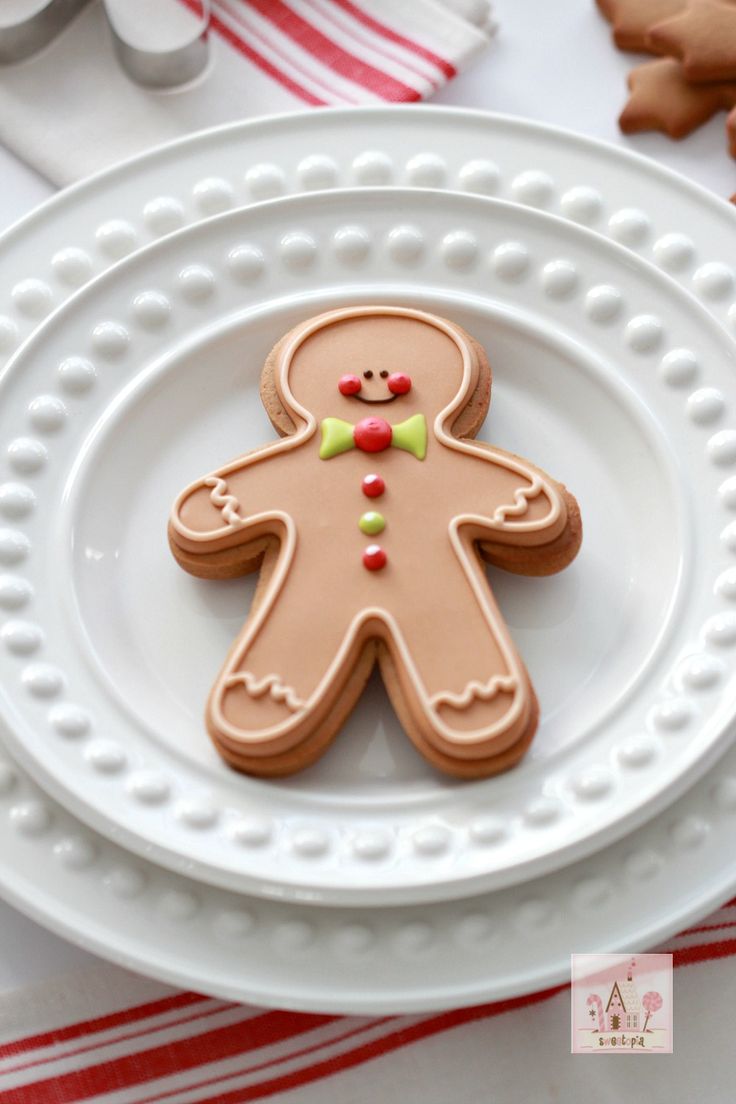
x: 75, y: 922
x: 213, y: 134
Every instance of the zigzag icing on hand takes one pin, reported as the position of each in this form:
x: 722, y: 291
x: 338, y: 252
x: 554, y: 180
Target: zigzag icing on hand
x: 271, y: 685
x: 227, y: 503
x: 521, y: 500
x: 475, y: 690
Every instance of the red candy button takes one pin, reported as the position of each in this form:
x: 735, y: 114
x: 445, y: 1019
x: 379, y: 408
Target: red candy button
x: 374, y: 558
x: 349, y: 385
x: 373, y: 486
x: 372, y: 435
x: 399, y: 383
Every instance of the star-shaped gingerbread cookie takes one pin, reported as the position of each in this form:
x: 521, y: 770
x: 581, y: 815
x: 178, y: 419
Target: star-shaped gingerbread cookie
x: 662, y: 99
x: 632, y: 19
x: 703, y: 37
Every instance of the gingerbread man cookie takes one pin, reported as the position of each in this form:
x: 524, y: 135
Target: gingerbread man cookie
x: 368, y: 520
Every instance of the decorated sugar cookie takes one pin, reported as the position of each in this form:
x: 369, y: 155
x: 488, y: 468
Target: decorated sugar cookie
x: 369, y: 520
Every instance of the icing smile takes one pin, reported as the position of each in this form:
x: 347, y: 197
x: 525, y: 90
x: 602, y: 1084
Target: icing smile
x: 398, y: 383
x: 364, y: 398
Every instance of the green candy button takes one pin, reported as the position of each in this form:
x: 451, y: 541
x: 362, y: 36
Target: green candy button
x: 372, y: 523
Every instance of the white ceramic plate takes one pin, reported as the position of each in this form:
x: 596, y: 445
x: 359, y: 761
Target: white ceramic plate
x: 629, y: 896
x: 651, y: 210
x: 606, y: 373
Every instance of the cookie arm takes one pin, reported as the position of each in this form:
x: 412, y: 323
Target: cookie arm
x: 523, y: 520
x: 221, y: 525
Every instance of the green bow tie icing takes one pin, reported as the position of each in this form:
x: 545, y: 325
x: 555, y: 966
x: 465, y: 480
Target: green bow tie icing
x: 373, y: 435
x: 411, y: 436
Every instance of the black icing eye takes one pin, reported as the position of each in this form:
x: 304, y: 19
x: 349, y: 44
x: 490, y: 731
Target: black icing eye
x: 384, y: 374
x: 368, y: 374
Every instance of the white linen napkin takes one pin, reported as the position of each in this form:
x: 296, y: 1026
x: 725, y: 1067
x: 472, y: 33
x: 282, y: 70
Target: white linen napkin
x: 71, y: 110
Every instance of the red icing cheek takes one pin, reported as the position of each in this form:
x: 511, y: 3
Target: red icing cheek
x: 399, y: 383
x: 349, y: 385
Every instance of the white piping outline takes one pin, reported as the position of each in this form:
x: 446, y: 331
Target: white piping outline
x: 272, y: 685
x: 521, y: 500
x: 227, y: 503
x: 482, y: 691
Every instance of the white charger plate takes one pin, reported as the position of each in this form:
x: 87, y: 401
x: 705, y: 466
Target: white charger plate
x: 606, y: 373
x: 657, y: 213
x: 630, y: 895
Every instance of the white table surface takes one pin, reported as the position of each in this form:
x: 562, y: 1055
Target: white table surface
x: 552, y: 61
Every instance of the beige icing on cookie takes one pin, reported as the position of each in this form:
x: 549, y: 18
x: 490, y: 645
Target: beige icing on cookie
x: 454, y: 665
x: 271, y: 685
x: 474, y: 690
x: 228, y: 503
x: 522, y: 497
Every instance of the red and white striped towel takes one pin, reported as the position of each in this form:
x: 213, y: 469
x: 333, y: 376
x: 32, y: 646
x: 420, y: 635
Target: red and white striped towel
x: 105, y: 1036
x: 71, y: 109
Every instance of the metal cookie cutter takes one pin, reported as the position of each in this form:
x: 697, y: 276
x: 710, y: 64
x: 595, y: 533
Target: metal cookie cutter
x: 159, y: 44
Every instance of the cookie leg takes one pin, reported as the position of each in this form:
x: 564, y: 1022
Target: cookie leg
x: 289, y: 683
x: 457, y: 682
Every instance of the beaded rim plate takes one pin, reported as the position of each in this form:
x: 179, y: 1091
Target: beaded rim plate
x: 644, y: 206
x: 635, y: 893
x: 617, y: 381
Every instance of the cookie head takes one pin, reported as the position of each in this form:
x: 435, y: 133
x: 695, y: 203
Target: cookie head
x: 386, y: 362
